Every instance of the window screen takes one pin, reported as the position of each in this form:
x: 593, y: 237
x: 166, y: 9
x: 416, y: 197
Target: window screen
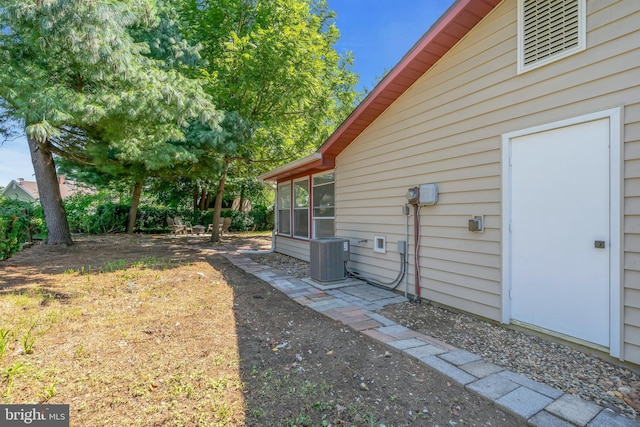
x: 284, y: 209
x: 323, y: 205
x: 301, y: 208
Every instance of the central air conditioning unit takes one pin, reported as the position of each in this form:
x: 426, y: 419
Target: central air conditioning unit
x: 328, y: 258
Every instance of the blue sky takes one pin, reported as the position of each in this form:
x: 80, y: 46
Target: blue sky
x: 377, y: 32
x: 380, y: 32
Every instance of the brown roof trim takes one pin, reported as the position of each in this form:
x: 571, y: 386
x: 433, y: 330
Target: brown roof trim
x: 456, y: 22
x: 311, y: 164
x: 452, y: 26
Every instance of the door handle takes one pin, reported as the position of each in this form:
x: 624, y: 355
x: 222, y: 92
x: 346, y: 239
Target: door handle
x: 599, y: 244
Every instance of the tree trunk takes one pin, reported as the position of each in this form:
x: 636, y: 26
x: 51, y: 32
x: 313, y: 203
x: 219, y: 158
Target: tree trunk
x: 55, y: 217
x: 203, y: 199
x: 241, y: 205
x: 195, y: 194
x: 217, y: 207
x: 133, y: 209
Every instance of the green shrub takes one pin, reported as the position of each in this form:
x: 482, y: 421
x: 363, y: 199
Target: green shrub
x: 151, y: 219
x: 80, y: 210
x: 99, y: 214
x: 19, y: 221
x: 201, y: 217
x: 262, y: 218
x: 36, y: 222
x: 240, y: 221
x: 109, y: 218
x: 9, y: 236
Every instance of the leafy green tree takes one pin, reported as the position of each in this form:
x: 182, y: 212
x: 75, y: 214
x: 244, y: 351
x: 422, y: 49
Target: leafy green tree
x: 271, y: 63
x: 83, y: 80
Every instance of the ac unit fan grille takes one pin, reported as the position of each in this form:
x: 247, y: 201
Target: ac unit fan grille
x: 328, y: 257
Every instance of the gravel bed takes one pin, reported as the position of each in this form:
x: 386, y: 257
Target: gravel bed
x: 569, y: 368
x: 292, y: 266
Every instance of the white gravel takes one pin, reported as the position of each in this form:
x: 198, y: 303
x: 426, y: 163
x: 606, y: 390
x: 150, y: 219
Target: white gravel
x: 567, y: 367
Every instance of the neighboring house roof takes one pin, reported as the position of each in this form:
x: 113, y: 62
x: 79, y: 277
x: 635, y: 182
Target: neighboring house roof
x: 21, y: 190
x: 452, y: 26
x: 28, y: 190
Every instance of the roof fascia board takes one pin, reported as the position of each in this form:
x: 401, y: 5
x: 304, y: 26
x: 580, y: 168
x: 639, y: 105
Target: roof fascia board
x: 393, y: 85
x: 451, y: 13
x: 274, y: 173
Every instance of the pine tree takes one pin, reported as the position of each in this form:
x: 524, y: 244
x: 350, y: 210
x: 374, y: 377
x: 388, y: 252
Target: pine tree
x: 84, y: 82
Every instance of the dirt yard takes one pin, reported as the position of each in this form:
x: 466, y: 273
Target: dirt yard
x: 155, y: 331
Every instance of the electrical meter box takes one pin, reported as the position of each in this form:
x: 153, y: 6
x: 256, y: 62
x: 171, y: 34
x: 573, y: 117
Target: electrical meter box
x: 424, y: 194
x: 328, y: 259
x: 428, y: 194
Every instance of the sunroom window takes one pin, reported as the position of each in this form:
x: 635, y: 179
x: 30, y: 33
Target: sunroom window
x: 549, y: 30
x: 323, y: 205
x: 301, y: 208
x: 284, y: 209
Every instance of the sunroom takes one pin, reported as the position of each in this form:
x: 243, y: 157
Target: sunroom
x: 305, y: 204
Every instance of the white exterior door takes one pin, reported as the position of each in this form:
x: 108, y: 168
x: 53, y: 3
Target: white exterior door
x: 560, y: 230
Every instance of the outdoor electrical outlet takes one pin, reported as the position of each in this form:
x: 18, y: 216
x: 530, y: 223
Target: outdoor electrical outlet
x: 476, y: 224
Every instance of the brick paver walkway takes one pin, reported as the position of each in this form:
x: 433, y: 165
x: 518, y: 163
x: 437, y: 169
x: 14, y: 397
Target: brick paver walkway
x: 354, y: 303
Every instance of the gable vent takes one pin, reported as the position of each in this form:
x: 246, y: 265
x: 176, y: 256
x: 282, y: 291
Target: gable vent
x: 550, y: 28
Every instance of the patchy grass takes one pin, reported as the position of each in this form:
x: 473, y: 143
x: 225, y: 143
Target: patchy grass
x: 153, y: 331
x: 135, y: 342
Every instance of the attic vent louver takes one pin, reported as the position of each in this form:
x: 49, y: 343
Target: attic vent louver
x: 550, y: 29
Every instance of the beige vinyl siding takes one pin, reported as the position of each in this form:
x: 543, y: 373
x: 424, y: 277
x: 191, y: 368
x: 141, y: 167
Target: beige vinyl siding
x: 447, y: 128
x: 296, y: 248
x: 631, y: 227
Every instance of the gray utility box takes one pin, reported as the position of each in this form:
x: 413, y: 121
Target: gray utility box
x: 328, y: 257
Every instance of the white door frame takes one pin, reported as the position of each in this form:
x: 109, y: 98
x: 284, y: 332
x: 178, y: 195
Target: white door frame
x: 615, y: 214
